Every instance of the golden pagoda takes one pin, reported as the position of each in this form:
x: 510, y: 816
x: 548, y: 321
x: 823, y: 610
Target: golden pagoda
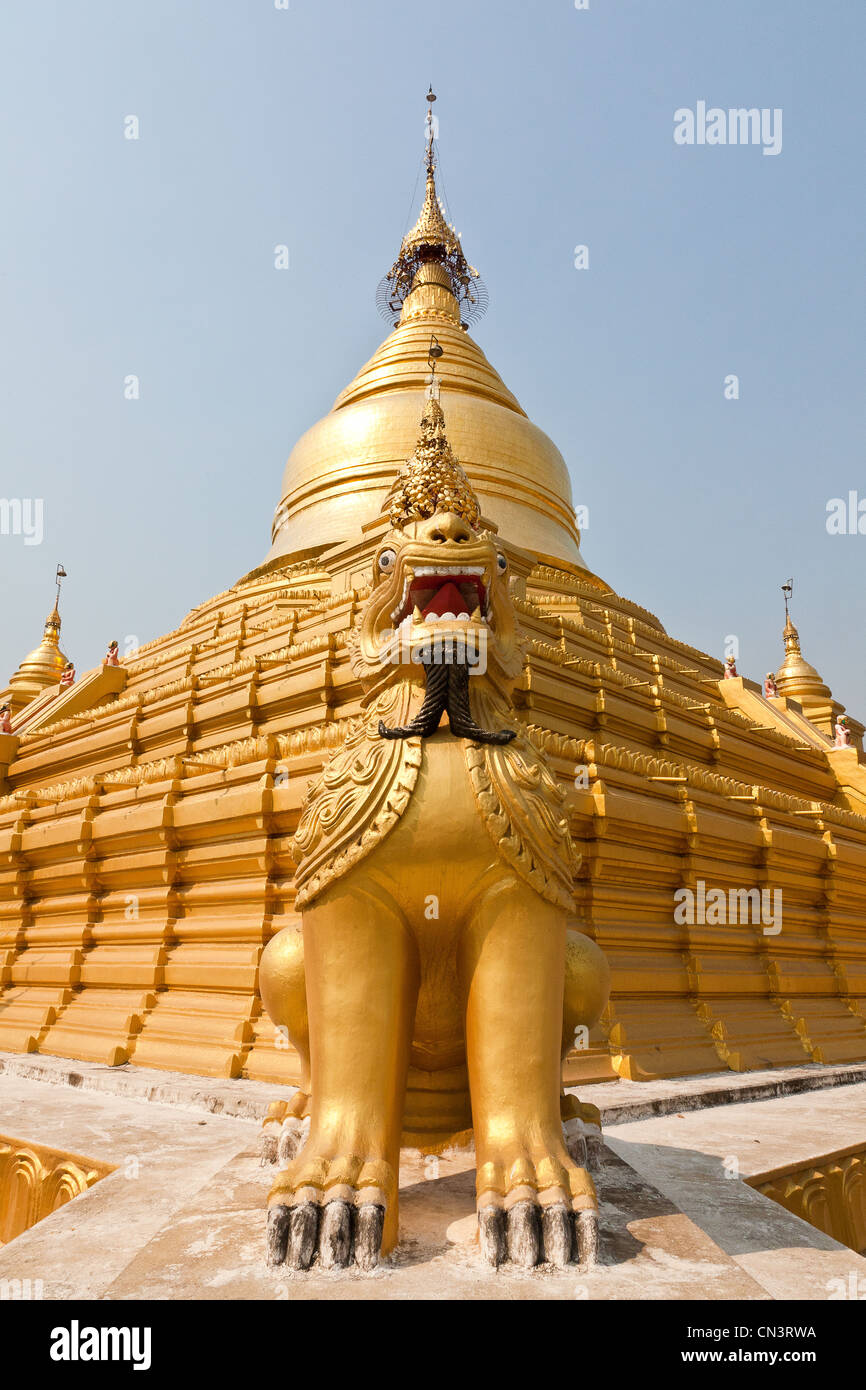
x: 339, y: 471
x: 147, y: 821
x: 797, y: 679
x: 40, y: 670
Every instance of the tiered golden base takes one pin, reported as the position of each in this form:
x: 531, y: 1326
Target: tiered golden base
x: 146, y: 841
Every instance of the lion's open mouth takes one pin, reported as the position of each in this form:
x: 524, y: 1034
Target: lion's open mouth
x: 443, y: 593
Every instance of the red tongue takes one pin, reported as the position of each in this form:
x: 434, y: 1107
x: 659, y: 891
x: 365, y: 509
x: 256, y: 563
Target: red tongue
x: 447, y: 599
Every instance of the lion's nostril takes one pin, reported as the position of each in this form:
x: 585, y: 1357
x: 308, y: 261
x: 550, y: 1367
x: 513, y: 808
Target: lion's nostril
x: 449, y: 529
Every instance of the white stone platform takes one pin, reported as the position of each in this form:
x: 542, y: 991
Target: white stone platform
x: 183, y: 1216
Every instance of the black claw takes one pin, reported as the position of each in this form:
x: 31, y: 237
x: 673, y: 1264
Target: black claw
x: 556, y: 1229
x: 335, y: 1235
x: 491, y: 1235
x: 586, y: 1232
x: 302, y: 1235
x: 278, y: 1233
x: 368, y: 1235
x: 524, y: 1234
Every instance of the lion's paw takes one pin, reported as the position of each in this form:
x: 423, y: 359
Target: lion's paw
x: 330, y: 1211
x: 537, y: 1211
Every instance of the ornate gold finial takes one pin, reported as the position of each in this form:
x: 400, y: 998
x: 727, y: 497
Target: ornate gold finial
x: 432, y: 480
x: 787, y: 590
x: 432, y: 239
x: 431, y: 97
x: 797, y: 677
x: 51, y: 631
x: 790, y: 636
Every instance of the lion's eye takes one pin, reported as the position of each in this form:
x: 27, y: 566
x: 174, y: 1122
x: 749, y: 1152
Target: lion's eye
x: 501, y: 564
x: 386, y: 560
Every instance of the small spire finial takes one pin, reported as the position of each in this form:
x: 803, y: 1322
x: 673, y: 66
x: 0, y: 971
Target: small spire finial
x: 790, y: 634
x: 431, y: 97
x: 431, y: 253
x: 435, y: 351
x: 52, y: 622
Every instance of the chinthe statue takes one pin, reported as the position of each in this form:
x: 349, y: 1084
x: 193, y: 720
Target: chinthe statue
x: 842, y: 732
x: 435, y: 876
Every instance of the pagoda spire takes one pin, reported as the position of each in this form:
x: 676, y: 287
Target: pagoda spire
x: 43, y: 666
x: 431, y: 97
x: 431, y: 254
x: 796, y: 677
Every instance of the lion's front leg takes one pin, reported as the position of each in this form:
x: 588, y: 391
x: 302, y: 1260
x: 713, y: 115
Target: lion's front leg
x: 337, y: 1201
x: 534, y: 1202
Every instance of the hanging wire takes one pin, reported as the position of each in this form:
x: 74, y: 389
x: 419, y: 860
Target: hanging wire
x: 421, y: 163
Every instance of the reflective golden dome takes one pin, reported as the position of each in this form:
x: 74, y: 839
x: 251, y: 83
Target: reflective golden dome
x: 42, y: 668
x: 795, y: 677
x: 341, y: 470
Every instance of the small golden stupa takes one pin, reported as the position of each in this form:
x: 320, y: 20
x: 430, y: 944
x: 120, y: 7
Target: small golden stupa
x: 42, y: 668
x: 798, y: 680
x: 146, y: 831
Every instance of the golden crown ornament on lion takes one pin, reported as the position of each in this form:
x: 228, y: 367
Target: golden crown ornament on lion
x: 434, y: 989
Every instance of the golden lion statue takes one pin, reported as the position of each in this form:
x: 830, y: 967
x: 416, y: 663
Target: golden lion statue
x: 435, y: 871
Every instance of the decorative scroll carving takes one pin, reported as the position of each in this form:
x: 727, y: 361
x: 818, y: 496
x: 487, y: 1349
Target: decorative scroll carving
x: 35, y: 1181
x: 829, y: 1192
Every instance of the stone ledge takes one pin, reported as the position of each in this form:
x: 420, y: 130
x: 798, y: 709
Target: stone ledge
x: 619, y: 1101
x: 242, y: 1100
x: 623, y: 1101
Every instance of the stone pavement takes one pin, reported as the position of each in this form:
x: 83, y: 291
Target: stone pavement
x: 183, y: 1215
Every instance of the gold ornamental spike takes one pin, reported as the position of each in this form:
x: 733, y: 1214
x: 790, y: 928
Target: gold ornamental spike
x: 797, y: 677
x: 431, y: 243
x: 432, y: 480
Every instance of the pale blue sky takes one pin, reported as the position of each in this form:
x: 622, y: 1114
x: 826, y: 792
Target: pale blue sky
x: 262, y: 126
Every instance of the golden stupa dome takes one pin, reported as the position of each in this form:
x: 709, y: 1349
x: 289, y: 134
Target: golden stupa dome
x: 42, y: 668
x: 796, y: 677
x: 341, y: 470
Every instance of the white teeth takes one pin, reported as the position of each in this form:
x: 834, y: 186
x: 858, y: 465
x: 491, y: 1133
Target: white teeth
x: 447, y: 617
x: 402, y: 604
x: 421, y: 570
x: 449, y: 569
